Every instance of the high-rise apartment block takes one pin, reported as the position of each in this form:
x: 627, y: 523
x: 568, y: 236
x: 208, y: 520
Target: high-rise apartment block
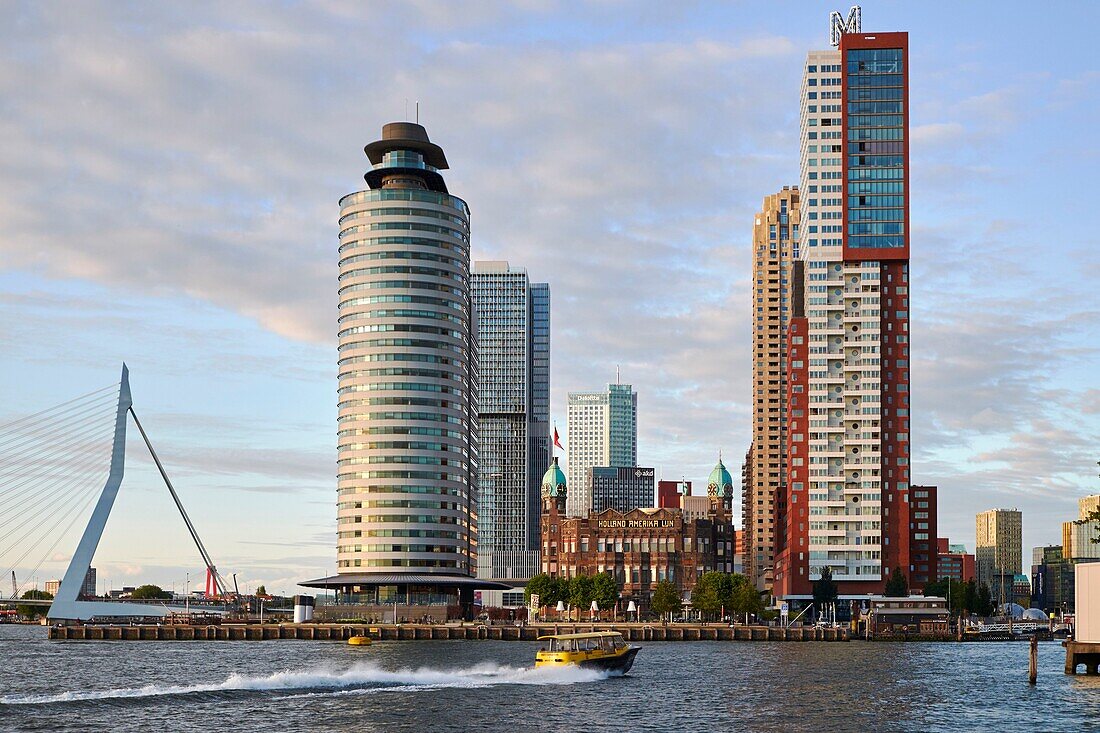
x: 998, y: 547
x: 407, y: 367
x: 602, y: 431
x: 513, y: 334
x: 775, y: 250
x: 849, y: 504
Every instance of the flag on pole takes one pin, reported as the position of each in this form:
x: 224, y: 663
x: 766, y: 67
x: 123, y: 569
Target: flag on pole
x: 556, y: 441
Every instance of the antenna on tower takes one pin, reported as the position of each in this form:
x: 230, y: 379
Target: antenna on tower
x: 406, y: 109
x: 418, y: 111
x: 617, y: 374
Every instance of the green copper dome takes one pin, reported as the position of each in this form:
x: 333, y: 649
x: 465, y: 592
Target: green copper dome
x: 720, y: 482
x: 553, y: 482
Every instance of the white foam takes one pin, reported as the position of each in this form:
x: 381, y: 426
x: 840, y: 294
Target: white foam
x: 358, y: 679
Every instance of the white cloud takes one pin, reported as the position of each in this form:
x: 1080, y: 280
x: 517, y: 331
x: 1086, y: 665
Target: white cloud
x: 195, y: 154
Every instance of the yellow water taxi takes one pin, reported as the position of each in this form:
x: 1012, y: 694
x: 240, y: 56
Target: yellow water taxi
x: 598, y: 650
x: 359, y: 641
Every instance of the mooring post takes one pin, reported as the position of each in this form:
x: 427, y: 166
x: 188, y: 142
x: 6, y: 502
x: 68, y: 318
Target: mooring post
x: 1033, y: 660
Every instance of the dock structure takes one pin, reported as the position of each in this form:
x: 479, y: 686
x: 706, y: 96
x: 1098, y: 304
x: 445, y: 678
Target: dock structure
x: 426, y: 632
x: 1084, y: 647
x: 1078, y: 653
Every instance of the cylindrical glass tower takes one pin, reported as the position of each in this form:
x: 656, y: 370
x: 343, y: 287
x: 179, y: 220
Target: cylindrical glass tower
x: 407, y: 437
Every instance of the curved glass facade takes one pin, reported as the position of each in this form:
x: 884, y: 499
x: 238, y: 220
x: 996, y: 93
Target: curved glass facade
x: 407, y: 438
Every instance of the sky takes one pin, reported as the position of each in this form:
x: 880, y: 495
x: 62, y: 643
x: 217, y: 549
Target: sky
x: 169, y: 181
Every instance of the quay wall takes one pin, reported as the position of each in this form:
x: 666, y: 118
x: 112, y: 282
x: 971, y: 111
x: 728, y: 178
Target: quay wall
x: 424, y: 632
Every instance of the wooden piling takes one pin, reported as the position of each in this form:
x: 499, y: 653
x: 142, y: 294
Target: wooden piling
x: 1033, y: 660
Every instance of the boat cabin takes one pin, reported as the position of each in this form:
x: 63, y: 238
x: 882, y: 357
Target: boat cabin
x: 606, y: 641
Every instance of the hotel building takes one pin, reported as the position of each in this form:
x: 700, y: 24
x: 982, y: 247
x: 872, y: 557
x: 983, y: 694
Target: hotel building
x: 849, y: 505
x: 638, y: 547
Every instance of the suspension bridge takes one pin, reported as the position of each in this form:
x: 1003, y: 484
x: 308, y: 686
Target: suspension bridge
x: 52, y: 469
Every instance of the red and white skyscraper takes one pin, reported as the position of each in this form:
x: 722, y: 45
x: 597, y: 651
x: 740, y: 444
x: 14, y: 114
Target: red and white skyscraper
x: 848, y: 500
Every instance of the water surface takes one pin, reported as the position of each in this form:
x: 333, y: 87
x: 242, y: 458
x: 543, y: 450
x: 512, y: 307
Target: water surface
x: 490, y: 686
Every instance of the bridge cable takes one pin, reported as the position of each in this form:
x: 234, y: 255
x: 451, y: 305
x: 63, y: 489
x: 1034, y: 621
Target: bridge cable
x: 218, y: 582
x: 46, y: 431
x: 5, y: 426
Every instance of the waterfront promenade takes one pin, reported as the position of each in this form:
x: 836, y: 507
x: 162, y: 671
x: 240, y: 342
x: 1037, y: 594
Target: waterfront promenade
x: 437, y: 632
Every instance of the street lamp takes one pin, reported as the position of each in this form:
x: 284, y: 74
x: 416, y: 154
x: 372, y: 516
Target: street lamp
x: 631, y: 607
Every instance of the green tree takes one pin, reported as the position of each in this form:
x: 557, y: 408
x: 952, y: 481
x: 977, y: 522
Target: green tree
x: 953, y: 590
x: 150, y: 592
x: 898, y: 585
x: 666, y: 598
x: 34, y: 611
x: 261, y: 590
x: 547, y: 588
x: 580, y: 591
x: 605, y: 591
x: 825, y: 591
x: 984, y: 603
x: 744, y: 598
x: 709, y: 592
x: 970, y: 596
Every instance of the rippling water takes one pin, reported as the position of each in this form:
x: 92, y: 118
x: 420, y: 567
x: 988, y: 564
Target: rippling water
x: 490, y: 686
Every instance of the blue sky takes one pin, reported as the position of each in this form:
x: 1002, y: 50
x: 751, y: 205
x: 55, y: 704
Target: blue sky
x: 170, y: 180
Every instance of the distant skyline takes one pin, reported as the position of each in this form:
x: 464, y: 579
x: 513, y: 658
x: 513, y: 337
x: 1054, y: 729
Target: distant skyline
x: 171, y: 178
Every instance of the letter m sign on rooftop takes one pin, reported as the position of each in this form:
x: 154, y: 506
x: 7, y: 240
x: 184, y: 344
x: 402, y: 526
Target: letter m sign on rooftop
x: 838, y: 26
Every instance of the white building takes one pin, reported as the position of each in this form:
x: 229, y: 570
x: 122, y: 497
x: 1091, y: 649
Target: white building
x: 602, y: 431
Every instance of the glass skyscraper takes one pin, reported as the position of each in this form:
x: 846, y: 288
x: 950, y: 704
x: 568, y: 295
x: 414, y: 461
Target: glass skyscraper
x: 602, y: 431
x: 513, y: 330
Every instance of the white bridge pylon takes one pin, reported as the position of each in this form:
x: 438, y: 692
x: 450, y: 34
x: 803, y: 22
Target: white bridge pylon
x: 67, y: 605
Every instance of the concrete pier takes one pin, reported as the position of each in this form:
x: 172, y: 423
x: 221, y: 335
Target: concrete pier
x: 1078, y: 653
x: 423, y: 632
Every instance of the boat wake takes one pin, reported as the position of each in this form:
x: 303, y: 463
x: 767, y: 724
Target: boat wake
x: 363, y: 678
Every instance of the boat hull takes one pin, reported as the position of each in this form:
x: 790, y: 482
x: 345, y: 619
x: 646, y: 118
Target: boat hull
x: 620, y: 663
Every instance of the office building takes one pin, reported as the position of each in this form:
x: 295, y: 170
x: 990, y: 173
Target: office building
x: 513, y: 336
x: 407, y: 446
x: 849, y: 505
x: 602, y: 430
x: 622, y: 489
x: 1053, y: 579
x: 774, y: 252
x: 998, y: 550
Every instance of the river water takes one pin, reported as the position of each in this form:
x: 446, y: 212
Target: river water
x: 490, y: 686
